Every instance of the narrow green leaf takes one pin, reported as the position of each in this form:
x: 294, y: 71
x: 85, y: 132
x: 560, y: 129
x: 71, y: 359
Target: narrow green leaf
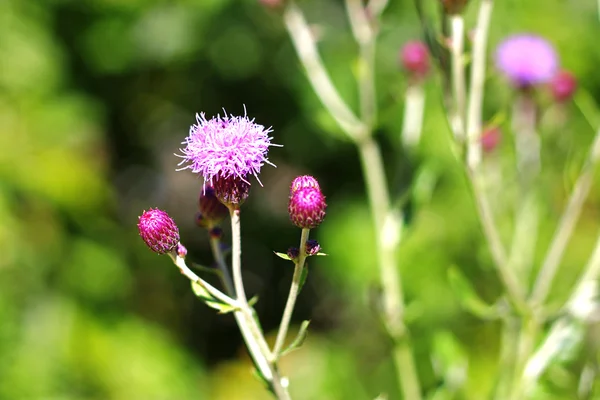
x: 209, y: 300
x: 321, y: 254
x: 303, y: 278
x: 467, y: 296
x: 283, y: 255
x: 299, y: 340
x: 253, y: 301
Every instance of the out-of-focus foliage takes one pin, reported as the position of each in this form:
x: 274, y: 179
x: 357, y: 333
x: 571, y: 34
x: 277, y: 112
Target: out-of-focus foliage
x: 97, y: 95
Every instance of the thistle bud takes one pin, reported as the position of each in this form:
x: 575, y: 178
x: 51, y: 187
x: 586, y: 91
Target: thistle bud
x: 211, y: 209
x: 490, y: 138
x: 231, y: 190
x: 307, y: 208
x: 304, y: 181
x: 312, y: 247
x: 158, y: 230
x: 563, y: 86
x: 293, y: 253
x: 414, y: 58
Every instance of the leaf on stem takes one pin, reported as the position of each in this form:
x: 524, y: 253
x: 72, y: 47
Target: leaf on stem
x: 303, y: 277
x: 321, y: 254
x: 468, y: 298
x: 283, y: 255
x: 210, y: 300
x: 299, y: 340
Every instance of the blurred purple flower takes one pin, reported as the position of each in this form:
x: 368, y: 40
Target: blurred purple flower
x: 526, y: 60
x: 226, y: 148
x: 563, y: 86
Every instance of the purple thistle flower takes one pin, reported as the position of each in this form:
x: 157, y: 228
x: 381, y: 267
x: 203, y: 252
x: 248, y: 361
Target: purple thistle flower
x: 225, y: 148
x: 526, y: 60
x: 307, y: 208
x: 158, y: 230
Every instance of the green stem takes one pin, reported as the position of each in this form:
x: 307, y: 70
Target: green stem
x: 457, y: 24
x: 294, y: 290
x: 387, y: 228
x: 566, y: 225
x: 477, y: 84
x: 248, y: 324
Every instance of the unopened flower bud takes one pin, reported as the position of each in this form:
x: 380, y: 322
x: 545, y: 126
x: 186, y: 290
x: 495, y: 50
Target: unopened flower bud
x: 490, y: 138
x: 181, y: 250
x: 158, y: 230
x: 231, y: 190
x: 312, y: 247
x: 293, y: 253
x: 414, y: 58
x: 307, y: 208
x: 563, y: 86
x: 212, y: 210
x: 304, y: 181
x: 216, y: 233
x: 200, y: 220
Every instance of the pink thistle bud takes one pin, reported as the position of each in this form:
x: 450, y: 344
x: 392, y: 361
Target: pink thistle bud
x: 212, y: 210
x: 312, y: 247
x: 490, y: 138
x: 307, y: 208
x: 414, y: 57
x: 304, y: 181
x: 158, y: 231
x: 563, y: 86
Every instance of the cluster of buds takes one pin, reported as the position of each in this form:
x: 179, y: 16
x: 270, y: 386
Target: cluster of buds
x: 307, y: 204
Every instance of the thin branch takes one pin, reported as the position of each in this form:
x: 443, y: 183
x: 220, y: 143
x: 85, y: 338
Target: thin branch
x: 566, y: 225
x: 321, y: 83
x: 477, y: 84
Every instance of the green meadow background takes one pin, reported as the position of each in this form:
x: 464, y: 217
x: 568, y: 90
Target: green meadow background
x: 96, y: 96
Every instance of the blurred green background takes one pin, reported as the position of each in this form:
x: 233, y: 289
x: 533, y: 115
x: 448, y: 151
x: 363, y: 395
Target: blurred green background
x: 96, y: 97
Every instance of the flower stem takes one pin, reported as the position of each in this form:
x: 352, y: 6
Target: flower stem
x: 457, y: 24
x: 566, y: 225
x: 246, y: 320
x: 477, y: 84
x: 294, y: 290
x: 387, y: 225
x: 414, y: 108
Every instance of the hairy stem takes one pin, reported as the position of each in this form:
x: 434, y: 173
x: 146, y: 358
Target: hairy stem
x: 294, y: 290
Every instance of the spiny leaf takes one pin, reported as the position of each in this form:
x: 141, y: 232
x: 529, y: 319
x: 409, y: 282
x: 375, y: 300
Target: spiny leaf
x: 210, y: 300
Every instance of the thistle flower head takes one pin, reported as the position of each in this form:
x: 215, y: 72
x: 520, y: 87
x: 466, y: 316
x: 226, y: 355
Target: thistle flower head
x: 526, y: 60
x: 307, y: 208
x: 158, y: 230
x: 563, y: 86
x: 226, y: 147
x: 304, y: 181
x: 414, y: 58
